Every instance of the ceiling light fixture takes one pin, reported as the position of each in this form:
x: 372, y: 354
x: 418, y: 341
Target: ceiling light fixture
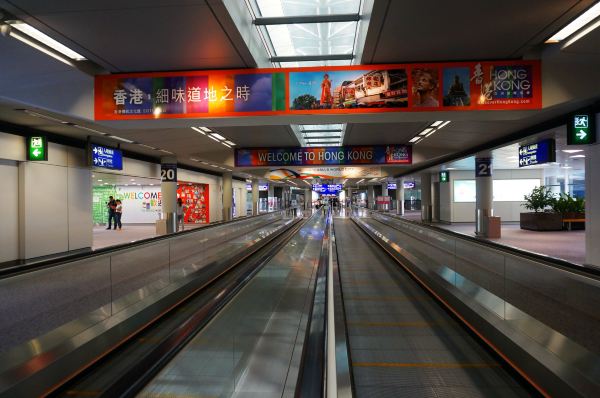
x: 206, y: 129
x: 415, y: 139
x: 230, y: 143
x: 218, y: 136
x: 87, y: 129
x: 41, y: 116
x: 426, y: 131
x: 147, y: 146
x: 195, y: 160
x: 444, y: 124
x: 44, y: 39
x: 578, y: 23
x: 121, y: 139
x: 577, y: 156
x: 33, y: 43
x: 437, y: 123
x: 165, y: 151
x: 228, y: 146
x: 198, y: 130
x: 213, y: 138
x: 572, y: 150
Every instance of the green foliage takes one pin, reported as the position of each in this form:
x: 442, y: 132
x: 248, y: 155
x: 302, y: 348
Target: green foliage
x: 565, y: 203
x: 305, y: 101
x: 539, y: 199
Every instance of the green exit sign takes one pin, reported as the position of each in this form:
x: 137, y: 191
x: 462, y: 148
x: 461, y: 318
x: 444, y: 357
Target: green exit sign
x: 582, y: 129
x: 37, y: 148
x: 444, y: 176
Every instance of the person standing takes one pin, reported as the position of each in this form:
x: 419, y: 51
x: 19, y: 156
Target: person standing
x: 111, y: 205
x: 180, y: 213
x: 118, y: 214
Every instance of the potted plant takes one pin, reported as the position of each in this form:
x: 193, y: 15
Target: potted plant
x: 540, y: 200
x: 570, y: 208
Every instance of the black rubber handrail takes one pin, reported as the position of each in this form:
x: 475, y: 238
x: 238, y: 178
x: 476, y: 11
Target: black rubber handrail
x: 552, y: 261
x: 7, y: 272
x: 311, y: 375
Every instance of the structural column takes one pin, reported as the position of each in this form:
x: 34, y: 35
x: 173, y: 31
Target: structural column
x: 307, y: 199
x: 370, y: 197
x: 484, y: 192
x: 254, y: 197
x: 349, y: 197
x: 227, y: 196
x: 400, y: 196
x: 168, y: 191
x: 592, y: 205
x: 426, y: 209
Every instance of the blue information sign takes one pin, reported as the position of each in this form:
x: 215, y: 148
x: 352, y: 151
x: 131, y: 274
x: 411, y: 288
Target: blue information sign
x: 108, y: 158
x: 538, y: 153
x: 391, y: 185
x: 327, y: 189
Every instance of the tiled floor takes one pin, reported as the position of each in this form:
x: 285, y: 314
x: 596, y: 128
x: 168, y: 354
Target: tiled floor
x: 129, y: 233
x: 566, y: 245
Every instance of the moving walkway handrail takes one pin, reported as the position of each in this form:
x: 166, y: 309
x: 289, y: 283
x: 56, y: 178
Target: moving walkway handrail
x: 311, y: 375
x: 6, y: 272
x: 585, y: 270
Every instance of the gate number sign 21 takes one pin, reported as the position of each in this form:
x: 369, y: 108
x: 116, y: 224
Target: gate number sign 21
x: 483, y: 167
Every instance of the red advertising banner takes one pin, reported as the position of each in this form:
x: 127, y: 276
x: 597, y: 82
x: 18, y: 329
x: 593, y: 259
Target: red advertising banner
x: 195, y: 202
x: 455, y: 86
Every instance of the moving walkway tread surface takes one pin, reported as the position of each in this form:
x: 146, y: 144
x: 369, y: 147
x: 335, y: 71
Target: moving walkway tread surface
x: 402, y: 343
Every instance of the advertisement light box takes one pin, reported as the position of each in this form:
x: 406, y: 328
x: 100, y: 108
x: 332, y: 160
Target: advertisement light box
x: 408, y: 184
x: 538, y: 153
x: 391, y: 185
x: 107, y: 158
x: 504, y: 190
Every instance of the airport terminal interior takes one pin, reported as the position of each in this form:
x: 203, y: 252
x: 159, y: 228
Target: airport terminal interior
x: 300, y: 198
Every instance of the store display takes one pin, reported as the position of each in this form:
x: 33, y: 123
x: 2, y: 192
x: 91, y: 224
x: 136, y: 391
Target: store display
x: 196, y: 202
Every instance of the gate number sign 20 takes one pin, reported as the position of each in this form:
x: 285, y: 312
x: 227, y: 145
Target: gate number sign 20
x: 483, y: 167
x: 168, y: 172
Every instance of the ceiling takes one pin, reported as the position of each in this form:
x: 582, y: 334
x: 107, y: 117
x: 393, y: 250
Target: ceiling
x: 171, y: 35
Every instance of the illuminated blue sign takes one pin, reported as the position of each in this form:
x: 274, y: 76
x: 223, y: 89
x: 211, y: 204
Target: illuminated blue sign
x: 538, y: 153
x: 392, y: 185
x: 327, y: 189
x: 108, y: 158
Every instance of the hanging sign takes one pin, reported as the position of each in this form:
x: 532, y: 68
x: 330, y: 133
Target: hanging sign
x: 444, y: 176
x: 391, y: 185
x: 316, y: 156
x: 538, y: 153
x: 107, y: 158
x: 168, y: 172
x: 457, y: 86
x: 327, y: 189
x: 483, y: 167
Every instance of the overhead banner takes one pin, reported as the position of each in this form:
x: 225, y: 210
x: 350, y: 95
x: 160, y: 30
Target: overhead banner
x: 318, y: 156
x: 326, y: 172
x: 485, y: 85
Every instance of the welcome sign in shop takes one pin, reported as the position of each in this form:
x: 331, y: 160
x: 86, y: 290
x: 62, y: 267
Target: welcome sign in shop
x: 459, y: 86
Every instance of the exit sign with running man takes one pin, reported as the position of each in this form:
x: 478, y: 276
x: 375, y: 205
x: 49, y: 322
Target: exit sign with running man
x: 37, y: 148
x: 582, y: 129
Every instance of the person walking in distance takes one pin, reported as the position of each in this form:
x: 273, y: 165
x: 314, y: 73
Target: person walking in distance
x: 111, y: 205
x: 118, y: 214
x: 180, y: 213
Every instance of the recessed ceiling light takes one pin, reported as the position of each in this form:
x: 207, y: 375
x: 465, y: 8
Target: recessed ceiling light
x: 427, y: 130
x: 415, y: 139
x: 577, y: 156
x: 566, y: 167
x: 121, y: 139
x: 133, y: 179
x: 165, y: 151
x: 195, y: 160
x: 578, y: 23
x: 88, y: 129
x: 226, y: 145
x: 443, y: 124
x: 572, y: 150
x: 198, y: 130
x: 230, y: 143
x: 437, y: 123
x: 99, y: 180
x: 147, y: 146
x: 213, y: 138
x: 214, y: 165
x: 204, y: 162
x: 205, y: 129
x: 218, y: 136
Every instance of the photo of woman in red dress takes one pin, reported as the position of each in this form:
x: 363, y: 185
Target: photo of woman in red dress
x: 326, y: 100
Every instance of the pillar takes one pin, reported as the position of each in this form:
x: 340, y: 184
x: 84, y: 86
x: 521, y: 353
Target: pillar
x: 168, y: 191
x: 349, y: 196
x: 484, y: 192
x: 227, y: 196
x: 426, y: 209
x: 307, y: 199
x: 271, y: 197
x: 592, y: 205
x: 370, y: 197
x: 254, y: 197
x: 400, y: 196
x: 384, y: 189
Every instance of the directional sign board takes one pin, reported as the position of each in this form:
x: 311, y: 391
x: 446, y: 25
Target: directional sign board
x: 391, y: 185
x: 581, y: 129
x: 108, y: 158
x: 37, y: 148
x: 327, y: 188
x: 538, y: 153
